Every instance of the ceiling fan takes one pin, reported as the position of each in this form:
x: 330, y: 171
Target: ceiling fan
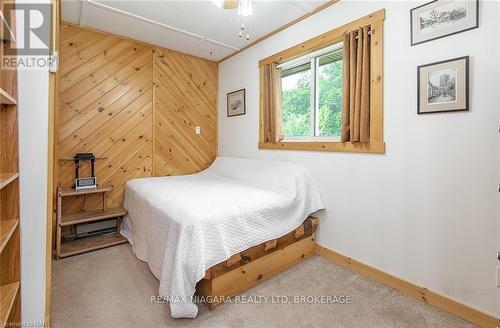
x: 244, y: 9
x: 229, y: 4
x: 244, y: 6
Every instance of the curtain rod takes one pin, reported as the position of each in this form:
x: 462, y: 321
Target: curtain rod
x: 369, y: 31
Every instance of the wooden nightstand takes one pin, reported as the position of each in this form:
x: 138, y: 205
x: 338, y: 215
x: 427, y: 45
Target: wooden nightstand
x: 91, y: 243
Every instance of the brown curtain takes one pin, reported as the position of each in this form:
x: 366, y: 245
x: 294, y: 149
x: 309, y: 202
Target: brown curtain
x: 273, y: 125
x: 356, y: 86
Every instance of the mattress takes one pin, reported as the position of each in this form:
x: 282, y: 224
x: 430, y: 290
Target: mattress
x: 183, y: 225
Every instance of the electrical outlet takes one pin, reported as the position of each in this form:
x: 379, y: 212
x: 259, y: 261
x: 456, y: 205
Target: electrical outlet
x: 498, y: 276
x: 197, y: 130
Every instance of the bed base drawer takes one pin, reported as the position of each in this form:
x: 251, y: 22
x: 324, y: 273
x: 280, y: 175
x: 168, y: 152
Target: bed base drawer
x: 260, y: 263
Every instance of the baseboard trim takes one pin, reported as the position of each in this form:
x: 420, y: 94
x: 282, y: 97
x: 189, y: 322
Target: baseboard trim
x: 423, y: 294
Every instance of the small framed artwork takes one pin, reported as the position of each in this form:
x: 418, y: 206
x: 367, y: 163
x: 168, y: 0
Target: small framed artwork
x: 236, y: 103
x: 441, y: 18
x: 443, y: 86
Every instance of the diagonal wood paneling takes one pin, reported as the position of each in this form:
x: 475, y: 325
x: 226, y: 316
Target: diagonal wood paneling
x: 185, y: 96
x: 105, y: 107
x: 136, y: 106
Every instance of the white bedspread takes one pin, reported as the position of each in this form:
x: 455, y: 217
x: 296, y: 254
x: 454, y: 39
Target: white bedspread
x: 183, y: 225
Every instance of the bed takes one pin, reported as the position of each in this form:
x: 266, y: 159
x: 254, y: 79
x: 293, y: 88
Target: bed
x: 182, y: 226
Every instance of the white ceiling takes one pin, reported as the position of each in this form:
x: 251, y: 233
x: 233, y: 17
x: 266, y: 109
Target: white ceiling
x: 194, y: 27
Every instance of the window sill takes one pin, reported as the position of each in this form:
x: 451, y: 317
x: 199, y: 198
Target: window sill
x: 311, y: 139
x: 347, y: 147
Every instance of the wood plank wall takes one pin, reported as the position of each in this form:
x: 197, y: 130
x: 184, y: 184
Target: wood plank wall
x: 185, y: 97
x: 110, y: 104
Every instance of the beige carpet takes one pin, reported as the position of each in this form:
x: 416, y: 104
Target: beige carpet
x: 111, y: 288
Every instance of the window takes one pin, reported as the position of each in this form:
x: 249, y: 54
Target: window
x: 311, y: 95
x: 302, y: 104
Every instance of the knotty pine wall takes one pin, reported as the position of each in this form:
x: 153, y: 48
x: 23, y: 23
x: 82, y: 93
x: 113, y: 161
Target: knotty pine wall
x: 135, y: 105
x: 185, y: 92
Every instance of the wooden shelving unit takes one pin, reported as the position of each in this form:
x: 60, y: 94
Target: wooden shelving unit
x: 91, y: 216
x: 65, y: 192
x: 6, y: 33
x: 6, y: 178
x: 8, y: 295
x: 7, y: 228
x: 91, y: 243
x: 10, y: 287
x: 6, y: 99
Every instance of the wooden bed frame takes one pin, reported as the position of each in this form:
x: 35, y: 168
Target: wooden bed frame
x: 256, y: 264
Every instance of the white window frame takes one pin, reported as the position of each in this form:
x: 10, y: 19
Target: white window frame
x: 313, y: 58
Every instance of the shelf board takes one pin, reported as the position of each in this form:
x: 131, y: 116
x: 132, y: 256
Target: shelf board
x: 7, y: 297
x: 91, y: 216
x: 7, y: 228
x: 88, y: 244
x: 6, y: 99
x: 6, y: 32
x: 64, y: 192
x: 6, y: 178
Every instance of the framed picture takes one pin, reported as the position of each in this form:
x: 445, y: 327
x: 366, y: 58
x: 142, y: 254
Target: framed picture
x: 236, y: 103
x: 441, y: 18
x: 443, y: 86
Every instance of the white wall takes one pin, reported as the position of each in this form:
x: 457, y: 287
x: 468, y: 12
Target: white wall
x: 428, y: 210
x: 33, y: 145
x: 33, y: 102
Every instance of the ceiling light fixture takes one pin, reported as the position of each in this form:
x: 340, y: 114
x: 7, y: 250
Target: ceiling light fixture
x: 245, y: 8
x: 218, y: 3
x: 243, y: 29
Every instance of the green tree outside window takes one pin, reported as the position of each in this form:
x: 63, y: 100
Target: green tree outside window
x: 296, y: 98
